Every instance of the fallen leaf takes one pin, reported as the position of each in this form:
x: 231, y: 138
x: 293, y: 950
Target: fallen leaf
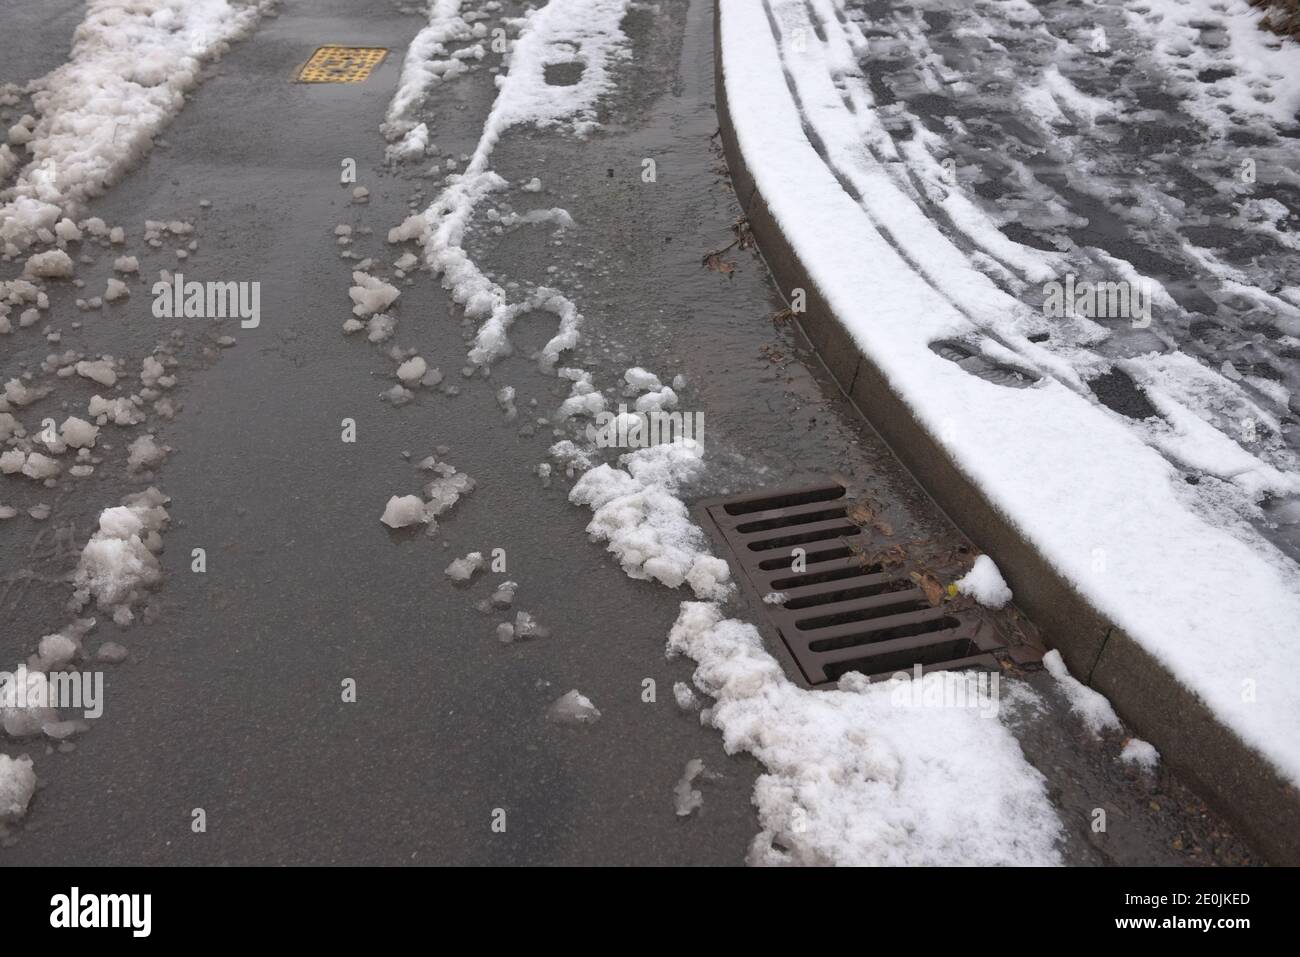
x: 930, y: 585
x: 715, y: 262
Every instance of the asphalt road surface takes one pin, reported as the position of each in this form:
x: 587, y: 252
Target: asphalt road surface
x: 230, y: 701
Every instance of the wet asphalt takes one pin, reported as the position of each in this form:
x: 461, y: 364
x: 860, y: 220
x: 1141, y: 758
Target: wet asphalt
x: 231, y: 699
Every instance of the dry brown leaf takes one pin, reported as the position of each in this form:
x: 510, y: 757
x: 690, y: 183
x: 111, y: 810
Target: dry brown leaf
x: 930, y: 585
x: 715, y: 262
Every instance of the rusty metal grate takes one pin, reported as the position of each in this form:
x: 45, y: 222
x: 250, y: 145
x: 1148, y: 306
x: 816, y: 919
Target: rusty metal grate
x: 835, y: 612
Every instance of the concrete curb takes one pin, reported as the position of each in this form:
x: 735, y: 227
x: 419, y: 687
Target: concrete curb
x: 1239, y: 782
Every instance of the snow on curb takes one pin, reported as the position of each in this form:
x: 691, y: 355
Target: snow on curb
x: 1103, y: 508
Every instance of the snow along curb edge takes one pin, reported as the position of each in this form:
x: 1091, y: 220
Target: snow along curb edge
x: 1243, y: 785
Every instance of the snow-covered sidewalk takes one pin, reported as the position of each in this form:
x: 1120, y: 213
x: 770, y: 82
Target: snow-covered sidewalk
x: 1154, y: 520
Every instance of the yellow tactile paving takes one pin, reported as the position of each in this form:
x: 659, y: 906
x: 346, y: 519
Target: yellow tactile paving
x: 340, y: 64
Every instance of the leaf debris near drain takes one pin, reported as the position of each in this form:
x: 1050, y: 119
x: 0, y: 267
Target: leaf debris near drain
x: 933, y: 588
x: 715, y: 262
x: 744, y: 239
x: 847, y: 604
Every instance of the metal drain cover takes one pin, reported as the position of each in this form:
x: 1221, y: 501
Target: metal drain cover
x: 340, y: 64
x: 834, y: 612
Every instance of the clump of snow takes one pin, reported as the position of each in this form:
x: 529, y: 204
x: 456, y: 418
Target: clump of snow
x: 526, y: 626
x: 583, y: 399
x: 116, y: 290
x: 686, y: 699
x: 573, y: 458
x: 504, y: 595
x: 20, y: 394
x: 1091, y: 706
x: 41, y: 467
x: 371, y: 295
x: 110, y: 652
x: 637, y: 511
x: 411, y: 146
x: 100, y: 370
x: 686, y: 798
x: 54, y: 264
x: 660, y: 400
x: 119, y: 411
x: 78, y: 433
x: 985, y: 584
x: 852, y: 777
x: 404, y: 510
x: 1141, y: 753
x: 398, y: 396
x: 573, y: 707
x: 380, y: 328
x: 463, y: 569
x: 641, y: 380
x: 119, y: 562
x: 126, y: 264
x: 25, y: 703
x: 58, y: 650
x: 412, y: 370
x: 412, y: 228
x: 145, y: 453
x: 17, y: 785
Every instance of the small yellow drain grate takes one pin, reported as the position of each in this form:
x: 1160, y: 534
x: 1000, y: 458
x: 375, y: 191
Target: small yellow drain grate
x: 338, y: 64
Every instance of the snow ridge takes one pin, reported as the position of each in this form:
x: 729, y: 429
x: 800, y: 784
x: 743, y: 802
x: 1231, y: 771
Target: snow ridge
x: 131, y: 65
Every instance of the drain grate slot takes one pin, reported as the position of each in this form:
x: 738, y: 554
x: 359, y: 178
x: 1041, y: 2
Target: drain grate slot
x: 835, y: 612
x: 746, y: 505
x: 816, y: 532
x: 785, y: 521
x: 830, y: 554
x: 809, y: 598
x: 852, y: 637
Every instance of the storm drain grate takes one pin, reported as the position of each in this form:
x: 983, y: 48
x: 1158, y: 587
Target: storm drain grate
x: 835, y: 612
x: 339, y: 64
